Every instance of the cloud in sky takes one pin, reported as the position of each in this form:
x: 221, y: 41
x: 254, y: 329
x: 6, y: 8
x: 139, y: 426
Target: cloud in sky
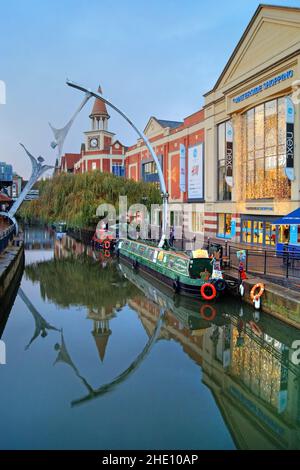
x: 151, y: 58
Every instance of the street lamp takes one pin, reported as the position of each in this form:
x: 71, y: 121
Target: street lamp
x: 89, y: 93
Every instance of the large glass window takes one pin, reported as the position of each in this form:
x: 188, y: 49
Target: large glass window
x: 197, y: 222
x: 224, y: 190
x: 264, y: 158
x: 224, y: 225
x: 259, y: 231
x: 118, y: 169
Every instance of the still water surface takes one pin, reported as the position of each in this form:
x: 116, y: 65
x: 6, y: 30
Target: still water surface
x: 98, y: 358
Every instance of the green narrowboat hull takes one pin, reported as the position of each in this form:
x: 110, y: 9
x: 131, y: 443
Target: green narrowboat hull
x: 186, y: 310
x: 176, y: 270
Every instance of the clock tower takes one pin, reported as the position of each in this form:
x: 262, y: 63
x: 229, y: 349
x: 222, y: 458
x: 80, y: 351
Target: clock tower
x: 101, y: 151
x: 99, y: 138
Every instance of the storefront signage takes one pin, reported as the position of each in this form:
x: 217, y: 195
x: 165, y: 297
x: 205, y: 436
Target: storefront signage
x: 250, y: 208
x: 229, y: 153
x: 195, y: 172
x: 290, y: 119
x: 268, y: 84
x: 293, y: 234
x: 256, y: 410
x: 182, y: 169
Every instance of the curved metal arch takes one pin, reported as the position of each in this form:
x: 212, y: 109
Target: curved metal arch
x: 165, y: 194
x: 11, y: 218
x: 106, y: 388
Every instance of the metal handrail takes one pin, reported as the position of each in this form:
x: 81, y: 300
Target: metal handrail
x: 7, y: 231
x: 5, y: 236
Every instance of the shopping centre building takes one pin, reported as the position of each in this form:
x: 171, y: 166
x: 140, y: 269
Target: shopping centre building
x: 235, y: 157
x: 252, y: 131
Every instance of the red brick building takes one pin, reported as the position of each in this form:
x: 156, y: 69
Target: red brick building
x: 68, y: 161
x: 100, y: 150
x: 175, y: 143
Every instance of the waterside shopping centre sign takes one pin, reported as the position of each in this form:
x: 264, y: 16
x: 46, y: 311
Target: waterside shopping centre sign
x: 268, y: 84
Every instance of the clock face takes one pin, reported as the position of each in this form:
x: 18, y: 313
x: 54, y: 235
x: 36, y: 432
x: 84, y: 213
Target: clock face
x: 94, y: 143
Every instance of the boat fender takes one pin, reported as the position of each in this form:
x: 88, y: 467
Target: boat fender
x: 242, y: 289
x: 256, y: 316
x: 212, y: 312
x: 135, y: 264
x: 212, y: 288
x: 176, y: 285
x: 220, y: 285
x: 256, y: 303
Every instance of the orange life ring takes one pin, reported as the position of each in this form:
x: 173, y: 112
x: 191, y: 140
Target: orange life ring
x: 253, y: 295
x: 107, y: 254
x: 213, y: 291
x: 213, y: 311
x: 106, y: 245
x: 255, y: 328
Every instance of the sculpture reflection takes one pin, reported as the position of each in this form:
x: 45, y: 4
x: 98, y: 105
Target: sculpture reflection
x: 41, y: 325
x: 245, y: 359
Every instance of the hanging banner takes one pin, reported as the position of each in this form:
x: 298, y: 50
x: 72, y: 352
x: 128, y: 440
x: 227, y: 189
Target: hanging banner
x: 195, y: 172
x: 229, y: 153
x: 290, y: 119
x: 182, y: 185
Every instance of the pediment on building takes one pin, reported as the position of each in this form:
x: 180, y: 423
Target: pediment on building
x: 153, y: 127
x: 272, y: 35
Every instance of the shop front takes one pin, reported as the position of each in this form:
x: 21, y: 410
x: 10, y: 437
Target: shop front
x: 252, y: 131
x: 289, y: 230
x: 258, y: 230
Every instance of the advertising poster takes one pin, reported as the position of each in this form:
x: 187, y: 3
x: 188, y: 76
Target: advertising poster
x: 182, y: 185
x: 290, y: 118
x: 195, y: 172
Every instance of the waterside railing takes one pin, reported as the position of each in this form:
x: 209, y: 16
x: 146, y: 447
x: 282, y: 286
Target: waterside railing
x: 6, y: 236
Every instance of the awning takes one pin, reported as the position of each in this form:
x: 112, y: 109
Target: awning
x: 4, y: 198
x: 291, y: 219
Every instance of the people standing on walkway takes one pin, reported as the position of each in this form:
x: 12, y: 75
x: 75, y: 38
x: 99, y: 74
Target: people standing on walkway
x: 172, y: 236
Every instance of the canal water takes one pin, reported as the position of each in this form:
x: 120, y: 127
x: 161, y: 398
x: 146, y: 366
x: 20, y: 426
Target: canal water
x: 97, y: 357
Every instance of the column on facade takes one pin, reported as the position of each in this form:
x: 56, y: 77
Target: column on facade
x: 295, y: 187
x: 238, y: 184
x: 210, y: 180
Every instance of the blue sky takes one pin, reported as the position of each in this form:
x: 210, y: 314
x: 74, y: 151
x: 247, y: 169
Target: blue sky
x: 153, y: 57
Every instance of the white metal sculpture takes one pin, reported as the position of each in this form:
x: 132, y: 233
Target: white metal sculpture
x: 165, y: 195
x: 37, y: 170
x: 61, y: 134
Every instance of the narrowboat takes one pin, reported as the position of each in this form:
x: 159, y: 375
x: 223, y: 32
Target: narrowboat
x: 60, y: 229
x: 193, y: 314
x: 186, y: 273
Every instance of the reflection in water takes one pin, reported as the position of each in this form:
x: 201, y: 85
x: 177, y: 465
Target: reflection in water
x: 133, y: 366
x: 65, y: 270
x: 64, y: 357
x: 7, y: 300
x: 41, y: 325
x: 38, y: 238
x: 245, y: 358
